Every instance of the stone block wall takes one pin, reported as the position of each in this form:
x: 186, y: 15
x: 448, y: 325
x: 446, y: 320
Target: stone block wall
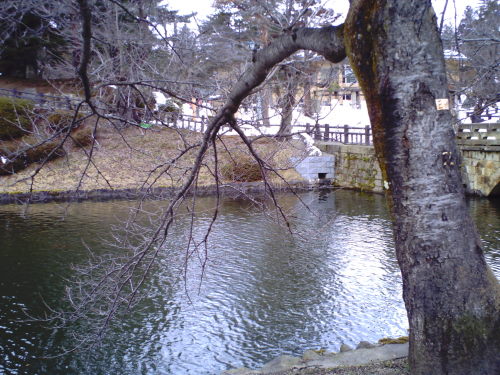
x: 314, y: 167
x: 356, y: 166
x: 481, y: 172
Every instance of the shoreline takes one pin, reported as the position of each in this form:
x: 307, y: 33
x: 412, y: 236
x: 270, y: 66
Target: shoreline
x: 387, y: 357
x: 234, y: 189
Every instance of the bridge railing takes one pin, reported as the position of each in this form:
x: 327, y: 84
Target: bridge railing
x: 479, y: 135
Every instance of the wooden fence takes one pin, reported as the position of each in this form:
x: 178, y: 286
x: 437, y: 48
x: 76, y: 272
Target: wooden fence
x: 473, y: 135
x: 343, y: 134
x: 320, y: 132
x: 488, y: 114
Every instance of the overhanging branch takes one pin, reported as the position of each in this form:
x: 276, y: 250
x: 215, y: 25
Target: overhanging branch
x: 326, y: 41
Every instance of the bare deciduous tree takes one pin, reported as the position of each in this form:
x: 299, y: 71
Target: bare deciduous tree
x: 474, y: 63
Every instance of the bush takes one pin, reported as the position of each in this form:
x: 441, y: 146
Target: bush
x: 61, y: 120
x: 82, y: 137
x: 14, y: 117
x: 242, y: 169
x: 28, y: 154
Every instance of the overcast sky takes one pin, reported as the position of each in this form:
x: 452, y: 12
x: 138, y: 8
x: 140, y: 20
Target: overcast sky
x: 204, y: 7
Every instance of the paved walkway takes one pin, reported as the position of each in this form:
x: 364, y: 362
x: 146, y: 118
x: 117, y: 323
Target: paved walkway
x: 314, y: 360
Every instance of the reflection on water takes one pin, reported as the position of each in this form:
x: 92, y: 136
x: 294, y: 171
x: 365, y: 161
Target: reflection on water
x: 263, y: 293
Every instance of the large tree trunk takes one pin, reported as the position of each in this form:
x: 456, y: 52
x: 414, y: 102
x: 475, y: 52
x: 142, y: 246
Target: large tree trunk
x: 287, y: 101
x: 308, y: 102
x: 309, y: 69
x: 451, y: 296
x: 265, y: 103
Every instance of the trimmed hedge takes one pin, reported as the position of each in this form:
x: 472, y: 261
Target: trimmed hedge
x: 14, y: 117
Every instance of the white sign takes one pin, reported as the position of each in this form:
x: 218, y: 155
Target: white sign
x: 442, y: 104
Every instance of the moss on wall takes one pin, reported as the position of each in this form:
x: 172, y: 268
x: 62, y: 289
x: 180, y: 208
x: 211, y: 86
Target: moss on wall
x: 356, y: 167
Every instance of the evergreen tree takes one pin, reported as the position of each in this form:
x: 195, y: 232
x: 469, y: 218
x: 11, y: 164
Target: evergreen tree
x: 31, y: 39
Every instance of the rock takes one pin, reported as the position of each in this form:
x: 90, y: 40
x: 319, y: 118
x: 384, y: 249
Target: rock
x: 362, y: 356
x: 345, y: 348
x: 365, y: 345
x: 310, y: 354
x: 328, y: 354
x: 281, y: 363
x: 240, y: 371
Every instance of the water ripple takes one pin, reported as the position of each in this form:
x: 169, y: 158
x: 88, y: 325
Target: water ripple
x: 263, y: 293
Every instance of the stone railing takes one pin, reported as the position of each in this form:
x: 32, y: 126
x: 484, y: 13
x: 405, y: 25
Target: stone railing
x: 485, y: 136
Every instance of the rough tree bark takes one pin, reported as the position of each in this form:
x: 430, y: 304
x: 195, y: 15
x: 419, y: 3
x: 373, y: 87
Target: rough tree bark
x: 451, y: 296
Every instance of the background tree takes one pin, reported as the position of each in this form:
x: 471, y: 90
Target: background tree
x: 475, y: 48
x: 30, y: 38
x: 257, y: 23
x: 124, y: 42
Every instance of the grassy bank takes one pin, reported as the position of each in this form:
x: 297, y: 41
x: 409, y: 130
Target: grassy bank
x: 135, y: 158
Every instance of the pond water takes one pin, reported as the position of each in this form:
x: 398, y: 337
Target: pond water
x: 263, y: 292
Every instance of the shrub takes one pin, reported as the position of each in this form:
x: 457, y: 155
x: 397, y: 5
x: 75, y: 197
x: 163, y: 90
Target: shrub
x: 28, y: 154
x: 14, y: 117
x: 242, y: 169
x: 61, y: 120
x: 82, y: 137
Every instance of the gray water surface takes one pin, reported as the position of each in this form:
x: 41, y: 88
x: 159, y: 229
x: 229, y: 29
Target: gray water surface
x: 263, y: 292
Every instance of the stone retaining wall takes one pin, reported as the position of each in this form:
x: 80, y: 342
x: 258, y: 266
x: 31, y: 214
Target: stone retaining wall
x: 481, y: 172
x: 234, y: 189
x: 315, y: 167
x: 356, y: 166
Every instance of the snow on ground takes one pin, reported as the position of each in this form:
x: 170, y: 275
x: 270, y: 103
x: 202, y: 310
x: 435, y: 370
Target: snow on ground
x: 338, y: 114
x: 311, y: 149
x: 160, y: 98
x: 463, y: 118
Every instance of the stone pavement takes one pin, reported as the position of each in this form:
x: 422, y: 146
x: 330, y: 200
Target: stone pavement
x: 365, y: 354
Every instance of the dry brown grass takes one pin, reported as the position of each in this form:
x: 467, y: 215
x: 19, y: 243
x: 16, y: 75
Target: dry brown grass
x: 136, y: 158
